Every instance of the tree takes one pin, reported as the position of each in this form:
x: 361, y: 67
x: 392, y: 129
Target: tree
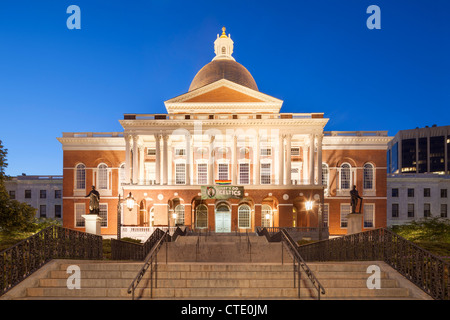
x: 14, y: 215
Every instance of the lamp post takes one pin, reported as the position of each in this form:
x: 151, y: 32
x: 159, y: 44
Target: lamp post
x: 309, y: 206
x: 130, y: 204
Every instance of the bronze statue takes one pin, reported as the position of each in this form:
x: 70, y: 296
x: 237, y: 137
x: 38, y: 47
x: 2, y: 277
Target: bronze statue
x: 94, y: 199
x: 354, y: 200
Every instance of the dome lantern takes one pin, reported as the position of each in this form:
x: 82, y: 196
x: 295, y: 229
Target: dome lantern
x: 223, y: 46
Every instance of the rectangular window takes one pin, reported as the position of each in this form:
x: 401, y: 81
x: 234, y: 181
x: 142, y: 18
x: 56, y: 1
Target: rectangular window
x: 410, y: 210
x: 57, y: 194
x: 394, y: 192
x: 202, y: 173
x: 244, y: 173
x: 180, y: 152
x: 180, y: 173
x: 295, y: 151
x: 265, y: 173
x: 443, y: 193
x: 266, y: 151
x: 57, y: 211
x: 103, y: 213
x: 12, y: 194
x: 43, y: 211
x: 151, y: 152
x: 150, y: 168
x: 410, y: 193
x: 43, y: 194
x: 79, y: 211
x: 27, y: 194
x: 345, y: 210
x: 369, y: 213
x: 443, y: 210
x: 223, y: 171
x: 426, y: 192
x: 325, y: 215
x: 395, y: 210
x: 426, y: 210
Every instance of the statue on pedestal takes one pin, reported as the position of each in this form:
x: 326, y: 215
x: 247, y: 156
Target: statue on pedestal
x: 354, y: 200
x: 94, y: 199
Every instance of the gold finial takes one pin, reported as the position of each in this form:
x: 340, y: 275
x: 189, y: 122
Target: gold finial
x: 223, y: 33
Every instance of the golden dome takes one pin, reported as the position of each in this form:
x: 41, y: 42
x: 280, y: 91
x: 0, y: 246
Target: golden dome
x: 223, y: 69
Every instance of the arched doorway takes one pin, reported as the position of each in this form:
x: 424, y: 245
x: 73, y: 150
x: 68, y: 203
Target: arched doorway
x: 223, y: 218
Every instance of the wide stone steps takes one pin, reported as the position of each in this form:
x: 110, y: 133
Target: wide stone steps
x: 109, y: 280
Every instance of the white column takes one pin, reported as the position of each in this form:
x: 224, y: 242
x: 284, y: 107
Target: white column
x: 234, y: 165
x: 158, y: 159
x: 188, y: 158
x: 165, y: 163
x: 305, y: 162
x: 319, y: 159
x: 256, y: 163
x: 280, y: 158
x: 141, y: 164
x: 127, y: 158
x: 311, y: 158
x: 288, y: 159
x: 135, y: 159
x: 211, y: 160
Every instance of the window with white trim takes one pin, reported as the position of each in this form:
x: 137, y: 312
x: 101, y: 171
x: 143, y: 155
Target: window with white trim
x: 265, y: 172
x: 102, y: 176
x: 150, y: 168
x: 368, y: 176
x: 266, y: 151
x: 103, y: 213
x: 180, y: 173
x: 325, y: 215
x: 266, y: 216
x: 345, y: 211
x: 179, y: 210
x: 223, y: 171
x: 180, y: 151
x: 80, y: 209
x: 201, y: 216
x: 244, y: 216
x: 202, y: 173
x: 325, y: 176
x: 295, y: 172
x: 122, y: 173
x: 244, y: 173
x: 369, y: 215
x: 295, y: 151
x: 80, y: 176
x: 345, y: 176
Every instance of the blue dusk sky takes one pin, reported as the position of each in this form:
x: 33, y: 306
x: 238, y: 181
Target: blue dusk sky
x: 131, y: 56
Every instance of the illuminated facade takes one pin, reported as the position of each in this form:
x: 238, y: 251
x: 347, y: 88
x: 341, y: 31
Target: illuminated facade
x: 225, y: 133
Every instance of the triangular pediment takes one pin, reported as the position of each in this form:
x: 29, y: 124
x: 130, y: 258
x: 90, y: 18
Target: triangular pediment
x: 223, y: 96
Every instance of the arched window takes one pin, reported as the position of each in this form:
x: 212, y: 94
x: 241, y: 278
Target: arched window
x: 102, y: 177
x: 224, y: 50
x: 201, y: 213
x: 244, y: 216
x: 179, y: 210
x: 345, y: 176
x: 80, y: 176
x: 122, y: 173
x: 266, y: 216
x: 368, y: 176
x: 325, y: 175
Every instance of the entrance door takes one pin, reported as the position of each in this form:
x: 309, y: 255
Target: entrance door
x: 223, y: 218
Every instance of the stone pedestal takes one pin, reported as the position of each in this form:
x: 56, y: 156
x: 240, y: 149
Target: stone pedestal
x: 354, y: 223
x: 92, y: 223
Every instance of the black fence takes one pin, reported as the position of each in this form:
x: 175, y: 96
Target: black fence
x: 27, y: 256
x: 424, y: 269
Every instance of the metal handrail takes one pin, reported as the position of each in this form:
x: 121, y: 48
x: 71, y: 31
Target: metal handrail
x: 301, y: 263
x: 249, y: 246
x: 149, y: 263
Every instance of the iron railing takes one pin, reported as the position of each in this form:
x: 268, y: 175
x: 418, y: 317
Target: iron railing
x: 151, y: 261
x: 27, y: 256
x: 424, y: 269
x: 298, y: 263
x: 124, y: 250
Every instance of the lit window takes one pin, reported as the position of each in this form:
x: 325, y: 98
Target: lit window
x: 244, y: 173
x: 102, y: 177
x: 325, y: 215
x: 345, y: 176
x: 325, y: 176
x: 103, y: 213
x: 265, y: 173
x: 345, y: 210
x: 202, y: 216
x: 368, y: 176
x: 266, y: 216
x: 180, y: 173
x: 179, y: 210
x: 80, y: 182
x: 244, y: 217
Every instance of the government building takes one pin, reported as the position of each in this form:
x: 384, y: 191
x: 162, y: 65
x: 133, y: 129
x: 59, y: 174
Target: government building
x: 225, y: 158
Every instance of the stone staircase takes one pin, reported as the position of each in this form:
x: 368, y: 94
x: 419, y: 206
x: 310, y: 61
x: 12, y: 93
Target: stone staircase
x: 221, y: 269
